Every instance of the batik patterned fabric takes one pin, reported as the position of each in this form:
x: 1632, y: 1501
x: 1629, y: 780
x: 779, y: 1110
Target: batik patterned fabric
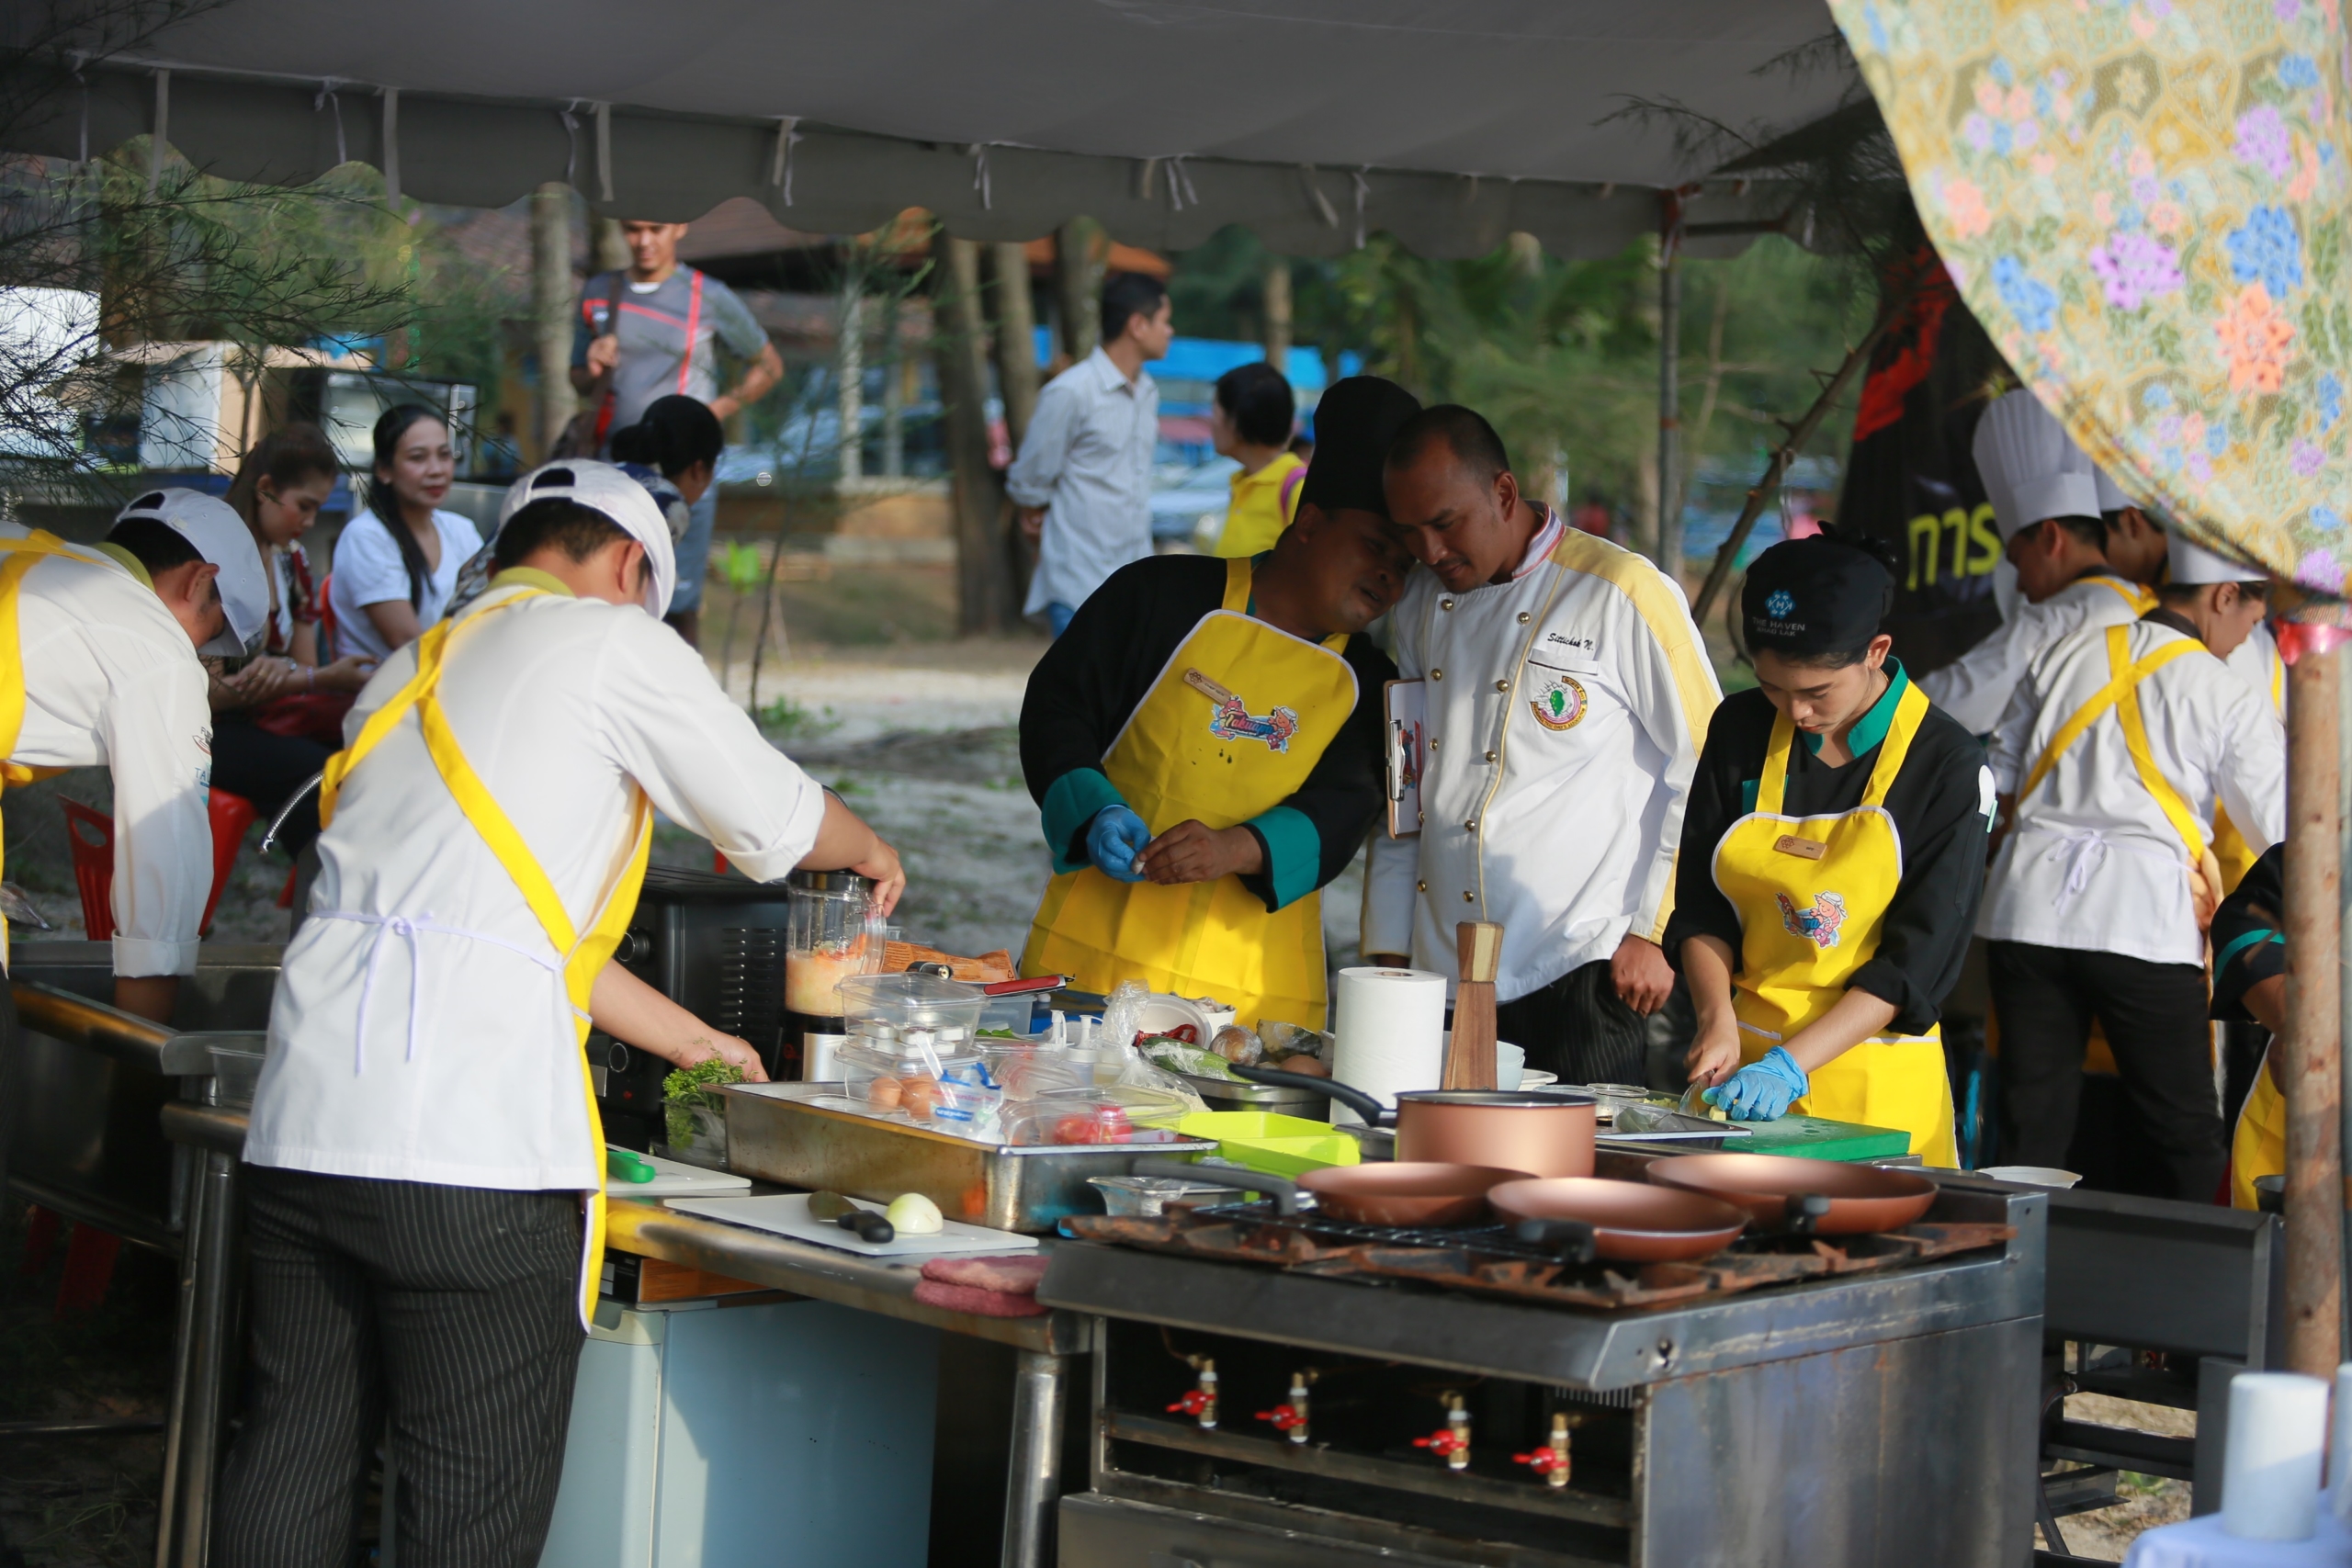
x: 2145, y: 203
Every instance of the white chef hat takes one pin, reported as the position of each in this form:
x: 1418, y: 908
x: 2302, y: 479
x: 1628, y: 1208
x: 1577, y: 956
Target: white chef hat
x: 2193, y: 563
x: 221, y: 537
x: 2031, y: 467
x: 604, y: 488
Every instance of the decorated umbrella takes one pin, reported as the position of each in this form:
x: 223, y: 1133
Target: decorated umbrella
x: 2145, y: 202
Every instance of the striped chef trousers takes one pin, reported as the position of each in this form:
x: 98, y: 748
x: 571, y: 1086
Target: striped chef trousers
x: 449, y: 1310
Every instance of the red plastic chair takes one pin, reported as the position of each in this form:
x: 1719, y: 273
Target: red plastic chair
x: 91, y: 833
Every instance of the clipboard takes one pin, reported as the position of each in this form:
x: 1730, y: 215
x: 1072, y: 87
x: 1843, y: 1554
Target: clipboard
x: 1404, y: 712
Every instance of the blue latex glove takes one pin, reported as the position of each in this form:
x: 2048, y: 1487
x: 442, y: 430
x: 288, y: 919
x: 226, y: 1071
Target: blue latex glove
x: 1762, y: 1090
x: 1114, y: 839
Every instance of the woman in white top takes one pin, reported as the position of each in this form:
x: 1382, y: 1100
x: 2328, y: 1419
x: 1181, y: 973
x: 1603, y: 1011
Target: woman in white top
x: 398, y: 560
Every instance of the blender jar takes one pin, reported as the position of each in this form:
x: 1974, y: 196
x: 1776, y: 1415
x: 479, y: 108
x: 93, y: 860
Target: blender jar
x: 825, y: 941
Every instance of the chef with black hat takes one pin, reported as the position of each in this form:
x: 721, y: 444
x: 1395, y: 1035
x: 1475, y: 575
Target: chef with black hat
x: 1205, y: 743
x: 102, y: 668
x: 2112, y: 757
x: 424, y: 1137
x: 1832, y: 856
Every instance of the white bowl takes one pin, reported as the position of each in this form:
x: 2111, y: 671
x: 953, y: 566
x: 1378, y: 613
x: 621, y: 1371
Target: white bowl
x: 2031, y: 1175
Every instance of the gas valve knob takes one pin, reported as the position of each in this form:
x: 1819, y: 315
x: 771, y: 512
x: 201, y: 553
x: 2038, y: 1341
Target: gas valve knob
x: 1290, y: 1418
x: 1453, y: 1440
x: 1551, y: 1461
x: 1201, y: 1403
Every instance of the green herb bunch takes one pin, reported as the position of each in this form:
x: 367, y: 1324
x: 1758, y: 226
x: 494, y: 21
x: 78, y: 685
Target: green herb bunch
x: 691, y: 1086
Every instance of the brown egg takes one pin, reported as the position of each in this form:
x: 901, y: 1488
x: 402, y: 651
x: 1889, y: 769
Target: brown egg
x: 1311, y: 1065
x: 884, y: 1093
x: 919, y: 1096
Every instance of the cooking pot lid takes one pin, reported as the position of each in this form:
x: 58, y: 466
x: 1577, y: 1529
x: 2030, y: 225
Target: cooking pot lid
x: 1518, y: 1098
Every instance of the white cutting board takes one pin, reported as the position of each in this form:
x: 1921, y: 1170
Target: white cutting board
x: 674, y: 1178
x: 786, y: 1214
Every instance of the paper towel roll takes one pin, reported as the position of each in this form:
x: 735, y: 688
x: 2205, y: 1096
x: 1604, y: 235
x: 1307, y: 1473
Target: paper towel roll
x: 2271, y: 1470
x: 1388, y: 1032
x: 2339, y: 1446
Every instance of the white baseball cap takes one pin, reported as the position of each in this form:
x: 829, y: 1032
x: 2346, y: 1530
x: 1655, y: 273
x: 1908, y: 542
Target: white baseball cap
x: 221, y: 537
x: 2193, y: 563
x: 2031, y: 469
x: 604, y: 488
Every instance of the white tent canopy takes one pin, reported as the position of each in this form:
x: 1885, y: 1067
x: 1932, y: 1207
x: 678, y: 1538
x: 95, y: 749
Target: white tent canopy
x: 1448, y: 124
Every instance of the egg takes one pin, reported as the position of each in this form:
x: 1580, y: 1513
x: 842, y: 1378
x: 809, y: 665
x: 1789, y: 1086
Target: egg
x: 1311, y: 1065
x: 884, y: 1093
x: 919, y: 1096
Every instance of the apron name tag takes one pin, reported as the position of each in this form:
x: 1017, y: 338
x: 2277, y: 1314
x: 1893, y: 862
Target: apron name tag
x: 1803, y: 849
x: 1208, y: 687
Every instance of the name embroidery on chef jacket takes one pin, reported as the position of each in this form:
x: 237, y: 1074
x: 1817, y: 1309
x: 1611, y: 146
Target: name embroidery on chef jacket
x: 1820, y: 924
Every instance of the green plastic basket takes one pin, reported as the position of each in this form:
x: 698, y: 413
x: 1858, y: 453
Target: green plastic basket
x: 1277, y: 1145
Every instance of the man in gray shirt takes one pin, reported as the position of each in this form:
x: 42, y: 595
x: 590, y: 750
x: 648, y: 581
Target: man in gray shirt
x: 664, y: 339
x: 1084, y: 478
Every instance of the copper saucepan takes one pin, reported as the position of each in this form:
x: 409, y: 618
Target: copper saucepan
x: 1825, y: 1196
x: 1402, y: 1193
x: 1542, y: 1134
x: 1630, y: 1222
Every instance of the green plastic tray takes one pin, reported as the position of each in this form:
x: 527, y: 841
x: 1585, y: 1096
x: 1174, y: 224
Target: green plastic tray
x: 1277, y: 1145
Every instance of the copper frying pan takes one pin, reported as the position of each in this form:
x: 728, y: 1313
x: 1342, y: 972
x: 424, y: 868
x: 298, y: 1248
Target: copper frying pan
x: 1405, y: 1192
x: 1630, y: 1222
x: 1774, y: 1188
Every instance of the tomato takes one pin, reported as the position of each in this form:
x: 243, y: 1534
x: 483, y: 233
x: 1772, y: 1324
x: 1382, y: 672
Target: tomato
x: 1106, y: 1125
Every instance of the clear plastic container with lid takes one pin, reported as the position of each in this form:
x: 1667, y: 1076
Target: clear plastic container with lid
x: 892, y: 1007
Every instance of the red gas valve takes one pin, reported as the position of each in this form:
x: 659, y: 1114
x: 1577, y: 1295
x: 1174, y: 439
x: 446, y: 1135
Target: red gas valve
x: 1197, y: 1403
x: 1282, y: 1416
x: 1201, y: 1403
x: 1445, y: 1442
x: 1453, y: 1441
x: 1551, y: 1461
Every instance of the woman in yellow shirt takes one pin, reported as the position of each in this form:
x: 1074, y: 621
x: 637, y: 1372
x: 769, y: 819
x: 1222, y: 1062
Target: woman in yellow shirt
x: 1251, y: 421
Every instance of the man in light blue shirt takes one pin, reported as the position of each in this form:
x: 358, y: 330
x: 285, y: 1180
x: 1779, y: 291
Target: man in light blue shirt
x: 1084, y: 478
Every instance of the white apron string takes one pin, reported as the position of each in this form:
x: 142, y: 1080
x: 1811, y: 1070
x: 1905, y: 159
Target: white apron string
x: 406, y: 928
x: 2084, y: 849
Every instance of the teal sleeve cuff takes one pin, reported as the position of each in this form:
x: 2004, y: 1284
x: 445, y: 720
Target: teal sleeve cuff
x: 1071, y: 803
x: 2250, y: 938
x: 1294, y: 854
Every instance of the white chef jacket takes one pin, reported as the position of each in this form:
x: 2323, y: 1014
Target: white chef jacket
x: 2091, y: 863
x: 2257, y: 662
x: 112, y: 680
x: 1087, y: 460
x: 558, y: 704
x: 1974, y: 688
x: 1563, y: 831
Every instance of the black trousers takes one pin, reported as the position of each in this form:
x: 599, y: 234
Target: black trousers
x: 450, y: 1309
x: 249, y: 760
x: 2154, y: 1015
x: 1577, y: 1027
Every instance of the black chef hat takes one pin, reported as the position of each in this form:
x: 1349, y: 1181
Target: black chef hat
x: 1353, y: 425
x: 1822, y: 594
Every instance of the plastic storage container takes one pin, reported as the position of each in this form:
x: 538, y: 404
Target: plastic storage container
x: 894, y: 1074
x: 1106, y: 1113
x: 885, y: 1007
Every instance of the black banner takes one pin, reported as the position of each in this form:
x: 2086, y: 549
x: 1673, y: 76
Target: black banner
x: 1911, y: 482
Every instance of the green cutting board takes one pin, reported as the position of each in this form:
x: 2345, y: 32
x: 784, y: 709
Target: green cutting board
x: 1817, y: 1137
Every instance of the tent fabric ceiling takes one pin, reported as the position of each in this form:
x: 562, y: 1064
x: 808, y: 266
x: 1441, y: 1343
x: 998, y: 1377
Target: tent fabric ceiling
x: 1448, y: 124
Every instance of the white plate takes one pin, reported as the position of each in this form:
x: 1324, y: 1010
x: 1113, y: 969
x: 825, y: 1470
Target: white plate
x: 786, y: 1214
x: 673, y: 1179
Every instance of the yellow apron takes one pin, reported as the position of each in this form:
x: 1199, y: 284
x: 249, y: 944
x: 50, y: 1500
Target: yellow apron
x: 582, y: 956
x: 1237, y: 720
x: 2259, y: 1147
x: 1811, y: 918
x: 17, y: 557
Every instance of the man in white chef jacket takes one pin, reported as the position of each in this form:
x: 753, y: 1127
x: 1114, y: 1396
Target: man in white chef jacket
x: 110, y: 640
x: 2102, y: 888
x: 1567, y: 693
x: 2046, y: 499
x: 421, y: 1138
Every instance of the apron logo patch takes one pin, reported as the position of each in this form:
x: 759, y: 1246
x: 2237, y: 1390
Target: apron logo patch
x: 1820, y: 924
x: 1233, y: 721
x: 1561, y: 704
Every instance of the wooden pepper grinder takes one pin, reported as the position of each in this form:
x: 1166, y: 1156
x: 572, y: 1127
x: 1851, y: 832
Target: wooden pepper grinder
x: 1470, y: 1057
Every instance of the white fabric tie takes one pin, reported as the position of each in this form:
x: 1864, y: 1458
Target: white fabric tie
x: 407, y: 929
x: 2084, y: 849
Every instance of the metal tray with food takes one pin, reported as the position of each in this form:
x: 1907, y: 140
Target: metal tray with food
x: 787, y: 1133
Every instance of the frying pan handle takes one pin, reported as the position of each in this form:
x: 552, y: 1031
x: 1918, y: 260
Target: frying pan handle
x: 1802, y: 1212
x: 1283, y: 1190
x: 1572, y: 1239
x: 1374, y: 1114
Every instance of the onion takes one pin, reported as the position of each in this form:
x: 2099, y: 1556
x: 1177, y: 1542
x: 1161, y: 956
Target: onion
x: 914, y: 1214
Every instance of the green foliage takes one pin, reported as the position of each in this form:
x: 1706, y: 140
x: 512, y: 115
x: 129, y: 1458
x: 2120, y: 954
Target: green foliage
x: 785, y: 719
x: 739, y: 565
x: 689, y: 1086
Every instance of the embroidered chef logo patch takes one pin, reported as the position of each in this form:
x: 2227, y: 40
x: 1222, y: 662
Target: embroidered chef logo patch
x: 1820, y: 924
x: 1559, y: 703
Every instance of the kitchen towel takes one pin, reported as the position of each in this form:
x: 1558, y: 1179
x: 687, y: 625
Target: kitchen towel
x: 1389, y: 1026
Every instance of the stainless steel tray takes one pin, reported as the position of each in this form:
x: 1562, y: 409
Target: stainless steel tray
x: 775, y: 1133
